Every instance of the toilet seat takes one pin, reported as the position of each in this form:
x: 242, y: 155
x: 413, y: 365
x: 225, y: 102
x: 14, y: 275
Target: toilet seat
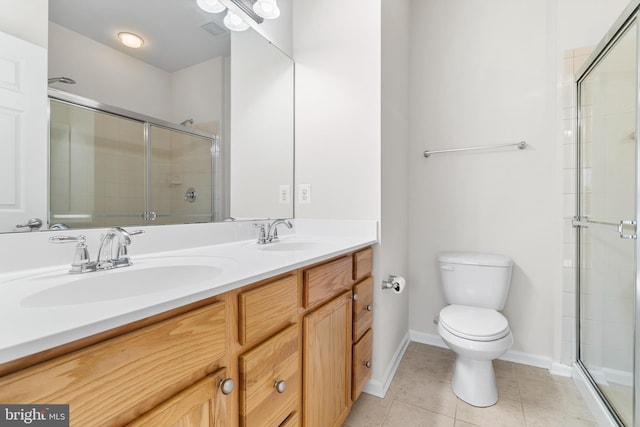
x: 474, y: 323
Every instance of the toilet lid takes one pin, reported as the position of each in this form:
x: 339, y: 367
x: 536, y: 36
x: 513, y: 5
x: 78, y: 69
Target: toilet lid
x: 474, y: 323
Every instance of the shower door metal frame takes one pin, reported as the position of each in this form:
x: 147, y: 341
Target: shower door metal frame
x: 628, y: 17
x: 147, y: 121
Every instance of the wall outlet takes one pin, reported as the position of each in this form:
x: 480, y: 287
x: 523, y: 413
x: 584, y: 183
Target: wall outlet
x: 304, y: 194
x: 284, y: 195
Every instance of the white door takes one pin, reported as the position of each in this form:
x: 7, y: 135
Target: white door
x: 23, y: 132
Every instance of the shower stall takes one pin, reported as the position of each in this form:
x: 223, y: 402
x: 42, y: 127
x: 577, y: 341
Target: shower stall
x: 607, y: 215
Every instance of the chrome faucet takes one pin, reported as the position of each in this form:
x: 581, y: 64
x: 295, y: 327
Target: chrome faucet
x: 112, y: 256
x: 270, y: 233
x: 106, y: 258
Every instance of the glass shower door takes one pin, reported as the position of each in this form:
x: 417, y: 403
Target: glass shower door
x: 607, y: 95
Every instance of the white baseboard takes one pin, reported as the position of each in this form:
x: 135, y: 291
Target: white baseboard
x: 510, y: 356
x: 379, y: 388
x: 593, y: 401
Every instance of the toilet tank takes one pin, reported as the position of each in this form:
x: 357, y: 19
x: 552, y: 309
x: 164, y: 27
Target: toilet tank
x: 475, y: 279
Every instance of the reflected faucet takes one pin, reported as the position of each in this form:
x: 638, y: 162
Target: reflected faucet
x: 187, y: 122
x: 110, y: 255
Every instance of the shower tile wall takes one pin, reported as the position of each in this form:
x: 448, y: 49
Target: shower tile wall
x: 179, y: 162
x: 573, y: 60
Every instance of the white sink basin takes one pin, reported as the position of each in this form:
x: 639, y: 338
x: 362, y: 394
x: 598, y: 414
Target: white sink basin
x: 290, y: 246
x: 151, y: 276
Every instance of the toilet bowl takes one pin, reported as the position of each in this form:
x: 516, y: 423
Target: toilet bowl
x: 476, y: 287
x: 474, y: 377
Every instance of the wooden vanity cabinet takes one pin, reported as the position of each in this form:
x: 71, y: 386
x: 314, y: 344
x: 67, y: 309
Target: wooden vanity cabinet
x: 297, y: 346
x: 115, y: 381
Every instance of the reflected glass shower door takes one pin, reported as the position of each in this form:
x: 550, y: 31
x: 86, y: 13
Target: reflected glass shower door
x: 607, y: 95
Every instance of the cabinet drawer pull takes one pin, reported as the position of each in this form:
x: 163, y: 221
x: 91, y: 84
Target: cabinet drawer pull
x: 280, y: 386
x: 368, y: 307
x: 226, y: 386
x: 355, y: 297
x: 367, y: 363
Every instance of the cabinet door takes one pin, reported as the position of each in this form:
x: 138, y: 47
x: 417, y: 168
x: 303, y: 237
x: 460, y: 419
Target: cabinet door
x: 201, y: 405
x: 270, y: 380
x: 327, y: 363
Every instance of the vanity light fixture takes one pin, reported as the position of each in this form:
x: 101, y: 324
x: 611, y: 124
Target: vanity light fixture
x: 211, y: 6
x: 268, y: 9
x: 234, y: 22
x: 257, y: 10
x: 130, y: 40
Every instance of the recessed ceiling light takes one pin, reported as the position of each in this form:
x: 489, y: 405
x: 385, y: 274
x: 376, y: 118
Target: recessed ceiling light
x: 131, y: 40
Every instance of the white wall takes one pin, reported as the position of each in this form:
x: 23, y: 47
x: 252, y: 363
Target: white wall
x: 391, y: 322
x: 482, y: 74
x: 261, y: 128
x: 198, y: 92
x: 337, y: 53
x: 106, y: 75
x: 25, y: 19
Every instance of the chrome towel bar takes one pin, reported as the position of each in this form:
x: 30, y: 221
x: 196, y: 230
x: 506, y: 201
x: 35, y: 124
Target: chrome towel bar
x: 521, y: 145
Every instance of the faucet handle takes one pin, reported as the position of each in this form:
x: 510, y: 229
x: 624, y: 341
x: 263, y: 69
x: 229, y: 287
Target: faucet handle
x: 262, y: 233
x: 122, y: 253
x: 81, y: 260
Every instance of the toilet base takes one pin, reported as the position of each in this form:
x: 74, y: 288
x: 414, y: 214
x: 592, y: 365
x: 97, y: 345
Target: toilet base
x: 474, y: 381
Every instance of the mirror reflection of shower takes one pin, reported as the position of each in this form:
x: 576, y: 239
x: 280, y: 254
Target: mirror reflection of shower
x: 65, y: 80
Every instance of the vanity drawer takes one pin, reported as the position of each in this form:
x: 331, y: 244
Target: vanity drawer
x: 114, y: 381
x: 362, y: 307
x: 261, y: 369
x: 326, y: 280
x: 362, y: 263
x: 361, y: 369
x: 267, y: 309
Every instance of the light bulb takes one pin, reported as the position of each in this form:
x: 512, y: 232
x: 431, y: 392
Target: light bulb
x: 131, y: 40
x: 211, y: 6
x: 268, y: 9
x: 234, y: 22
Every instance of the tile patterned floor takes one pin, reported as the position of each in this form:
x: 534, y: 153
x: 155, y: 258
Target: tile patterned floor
x: 420, y: 395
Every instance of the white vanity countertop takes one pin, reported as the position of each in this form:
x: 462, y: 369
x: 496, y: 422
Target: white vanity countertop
x: 46, y: 307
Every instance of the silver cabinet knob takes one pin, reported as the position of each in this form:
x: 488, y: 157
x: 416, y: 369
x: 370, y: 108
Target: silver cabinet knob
x: 368, y: 307
x: 280, y: 386
x: 355, y: 297
x: 226, y: 386
x: 367, y: 363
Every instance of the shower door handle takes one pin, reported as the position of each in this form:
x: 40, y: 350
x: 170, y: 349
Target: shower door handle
x: 621, y: 229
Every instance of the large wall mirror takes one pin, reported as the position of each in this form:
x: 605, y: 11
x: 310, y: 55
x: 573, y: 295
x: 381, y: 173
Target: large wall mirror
x: 196, y: 125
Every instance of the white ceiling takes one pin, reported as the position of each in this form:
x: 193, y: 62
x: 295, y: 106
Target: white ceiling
x: 171, y: 29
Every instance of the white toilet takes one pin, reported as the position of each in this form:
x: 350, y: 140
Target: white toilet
x: 475, y: 286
